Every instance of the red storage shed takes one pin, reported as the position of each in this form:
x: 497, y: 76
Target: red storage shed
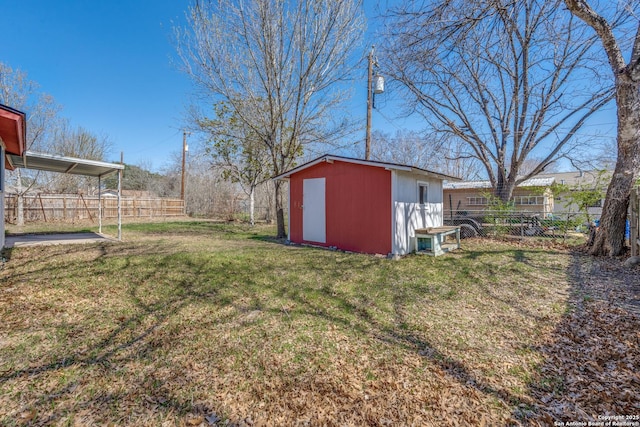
x: 362, y: 205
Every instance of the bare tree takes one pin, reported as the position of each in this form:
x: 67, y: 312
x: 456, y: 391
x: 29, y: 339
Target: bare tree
x: 610, y: 238
x: 17, y: 91
x: 235, y: 148
x: 138, y: 177
x: 265, y: 201
x: 440, y: 153
x: 79, y: 143
x: 278, y: 64
x: 531, y: 163
x: 515, y: 80
x: 209, y: 193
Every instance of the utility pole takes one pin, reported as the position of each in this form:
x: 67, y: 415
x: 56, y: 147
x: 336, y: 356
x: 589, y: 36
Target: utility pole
x: 185, y: 148
x: 367, y: 145
x: 120, y: 197
x: 375, y: 85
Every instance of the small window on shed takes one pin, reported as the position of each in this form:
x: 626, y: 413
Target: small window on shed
x: 423, y: 193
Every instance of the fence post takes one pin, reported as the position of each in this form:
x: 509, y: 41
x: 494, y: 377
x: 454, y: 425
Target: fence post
x: 521, y: 227
x: 44, y: 215
x: 86, y: 207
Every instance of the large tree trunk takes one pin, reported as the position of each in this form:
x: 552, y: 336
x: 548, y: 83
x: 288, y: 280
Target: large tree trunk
x: 504, y: 187
x: 282, y: 233
x: 609, y: 239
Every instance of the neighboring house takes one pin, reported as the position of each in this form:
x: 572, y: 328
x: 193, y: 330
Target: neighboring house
x: 533, y: 195
x: 13, y: 129
x: 362, y: 206
x: 576, y: 181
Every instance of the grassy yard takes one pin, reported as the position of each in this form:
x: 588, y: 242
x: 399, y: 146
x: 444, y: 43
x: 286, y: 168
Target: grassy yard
x: 197, y: 323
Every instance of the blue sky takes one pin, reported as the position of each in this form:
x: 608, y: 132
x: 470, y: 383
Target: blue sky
x: 110, y: 65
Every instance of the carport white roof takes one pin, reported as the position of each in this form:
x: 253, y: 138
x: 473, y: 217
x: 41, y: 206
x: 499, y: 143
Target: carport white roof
x: 62, y: 164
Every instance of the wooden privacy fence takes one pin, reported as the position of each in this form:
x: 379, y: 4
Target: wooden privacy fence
x: 73, y: 207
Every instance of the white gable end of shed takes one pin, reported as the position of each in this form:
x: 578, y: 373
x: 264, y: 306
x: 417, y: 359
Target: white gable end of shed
x: 408, y: 214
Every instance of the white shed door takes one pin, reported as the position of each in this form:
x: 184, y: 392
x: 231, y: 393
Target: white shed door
x: 314, y: 228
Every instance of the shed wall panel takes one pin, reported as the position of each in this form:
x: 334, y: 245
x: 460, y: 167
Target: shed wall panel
x: 411, y: 215
x: 358, y: 206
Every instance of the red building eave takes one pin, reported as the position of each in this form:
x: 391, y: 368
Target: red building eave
x: 13, y: 127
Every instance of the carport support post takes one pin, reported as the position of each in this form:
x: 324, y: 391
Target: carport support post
x: 119, y: 191
x: 100, y: 204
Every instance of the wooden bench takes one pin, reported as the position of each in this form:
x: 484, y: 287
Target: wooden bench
x: 432, y: 240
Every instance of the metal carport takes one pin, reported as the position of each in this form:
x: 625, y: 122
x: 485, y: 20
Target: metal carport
x: 72, y: 165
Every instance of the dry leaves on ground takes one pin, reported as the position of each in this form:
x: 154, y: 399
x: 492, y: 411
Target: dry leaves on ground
x: 592, y: 365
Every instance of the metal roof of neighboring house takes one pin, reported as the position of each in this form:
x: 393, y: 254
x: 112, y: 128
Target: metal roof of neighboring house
x: 577, y: 177
x: 537, y: 182
x: 391, y: 166
x: 62, y: 164
x: 471, y: 185
x: 476, y: 185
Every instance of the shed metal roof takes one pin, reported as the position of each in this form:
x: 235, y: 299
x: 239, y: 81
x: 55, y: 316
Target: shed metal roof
x: 62, y: 164
x: 391, y: 166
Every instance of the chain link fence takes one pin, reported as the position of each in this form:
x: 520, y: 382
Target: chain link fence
x: 522, y: 225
